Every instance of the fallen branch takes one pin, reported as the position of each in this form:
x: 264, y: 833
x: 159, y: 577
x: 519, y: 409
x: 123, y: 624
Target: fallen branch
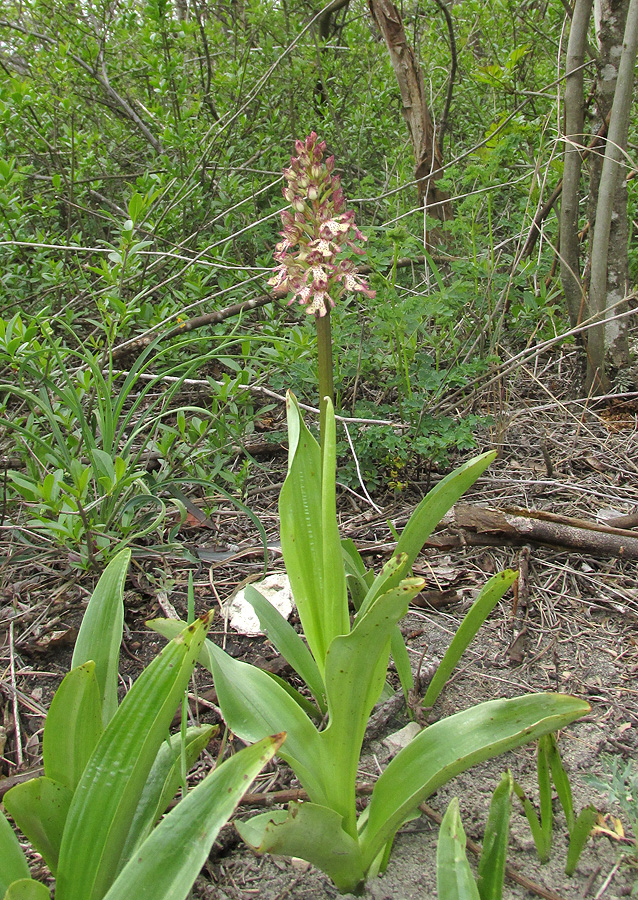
x: 521, y: 526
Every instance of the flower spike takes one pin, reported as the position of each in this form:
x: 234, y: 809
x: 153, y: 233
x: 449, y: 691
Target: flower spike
x: 318, y: 231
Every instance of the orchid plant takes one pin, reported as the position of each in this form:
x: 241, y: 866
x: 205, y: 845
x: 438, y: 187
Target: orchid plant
x: 318, y: 233
x: 111, y: 771
x: 343, y: 664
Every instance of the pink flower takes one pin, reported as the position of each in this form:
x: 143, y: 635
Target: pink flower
x: 320, y: 229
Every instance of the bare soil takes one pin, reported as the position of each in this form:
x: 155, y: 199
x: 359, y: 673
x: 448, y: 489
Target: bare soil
x: 574, y: 629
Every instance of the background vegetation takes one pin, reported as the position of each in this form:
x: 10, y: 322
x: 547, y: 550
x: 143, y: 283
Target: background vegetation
x: 140, y: 157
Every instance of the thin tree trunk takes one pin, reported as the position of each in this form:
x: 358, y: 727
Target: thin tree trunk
x: 574, y: 140
x: 429, y: 164
x: 608, y: 342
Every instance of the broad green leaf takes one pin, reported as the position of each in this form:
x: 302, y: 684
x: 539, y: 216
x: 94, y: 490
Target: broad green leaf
x: 106, y: 798
x: 101, y: 632
x: 311, y: 709
x: 309, y: 536
x: 453, y: 745
x: 254, y: 706
x: 487, y: 599
x: 163, y: 781
x: 454, y: 878
x: 27, y: 889
x: 170, y: 859
x: 73, y: 726
x: 168, y: 628
x: 40, y: 807
x: 13, y: 862
x: 311, y: 832
x: 335, y: 600
x: 356, y: 666
x: 291, y: 646
x: 491, y: 869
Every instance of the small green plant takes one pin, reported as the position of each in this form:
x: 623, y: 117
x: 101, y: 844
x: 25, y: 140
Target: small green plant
x: 620, y: 784
x: 550, y: 769
x: 84, y: 433
x: 344, y: 666
x: 111, y: 772
x: 454, y: 878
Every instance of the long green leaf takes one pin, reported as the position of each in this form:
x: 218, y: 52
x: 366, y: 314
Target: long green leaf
x: 163, y: 781
x: 453, y: 745
x: 578, y: 837
x: 534, y: 823
x: 310, y: 538
x: 385, y: 579
x: 487, y: 599
x: 13, y: 862
x: 561, y: 782
x: 311, y: 832
x: 73, y: 726
x: 357, y: 578
x: 335, y: 601
x: 356, y: 666
x: 433, y: 507
x: 40, y: 807
x: 110, y: 788
x: 545, y: 794
x: 454, y: 878
x: 491, y: 869
x: 101, y: 632
x: 288, y: 643
x: 27, y: 889
x: 254, y: 706
x: 171, y: 858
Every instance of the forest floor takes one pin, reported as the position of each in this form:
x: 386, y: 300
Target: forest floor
x: 573, y: 628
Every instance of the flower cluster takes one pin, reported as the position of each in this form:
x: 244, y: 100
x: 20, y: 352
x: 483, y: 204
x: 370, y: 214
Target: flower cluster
x: 316, y: 231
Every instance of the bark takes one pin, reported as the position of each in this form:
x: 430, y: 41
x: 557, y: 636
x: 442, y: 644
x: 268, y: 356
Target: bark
x: 429, y: 163
x: 574, y: 140
x: 524, y: 526
x: 608, y: 344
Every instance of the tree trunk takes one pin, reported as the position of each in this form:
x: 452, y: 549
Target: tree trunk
x: 608, y: 346
x: 574, y: 142
x: 429, y: 164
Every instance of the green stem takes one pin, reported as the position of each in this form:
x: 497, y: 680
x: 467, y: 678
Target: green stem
x: 324, y: 357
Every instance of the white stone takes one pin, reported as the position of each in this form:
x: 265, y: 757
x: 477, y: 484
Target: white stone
x: 400, y: 739
x: 242, y: 617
